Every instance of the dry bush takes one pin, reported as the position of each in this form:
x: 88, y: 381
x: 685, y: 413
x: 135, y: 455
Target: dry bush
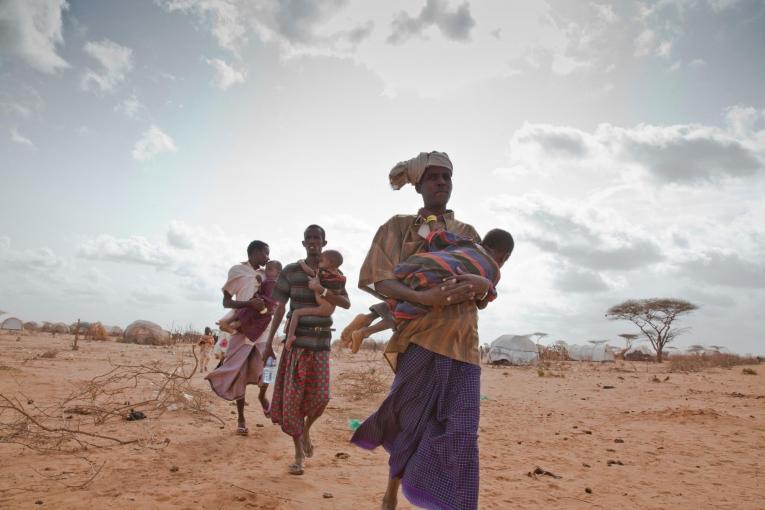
x: 749, y: 371
x: 96, y: 331
x: 71, y: 425
x: 363, y: 383
x: 553, y: 353
x: 49, y: 354
x: 699, y: 362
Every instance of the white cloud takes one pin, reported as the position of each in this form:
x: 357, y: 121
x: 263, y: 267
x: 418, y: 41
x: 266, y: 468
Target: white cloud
x: 135, y: 250
x: 684, y: 153
x: 727, y: 269
x: 455, y: 25
x: 115, y: 63
x: 225, y: 75
x: 153, y: 142
x: 228, y: 25
x: 41, y: 260
x: 20, y: 139
x: 30, y: 30
x: 129, y: 106
x: 180, y: 235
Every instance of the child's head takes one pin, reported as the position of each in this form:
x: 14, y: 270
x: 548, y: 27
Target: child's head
x: 273, y: 268
x: 330, y: 260
x: 499, y: 244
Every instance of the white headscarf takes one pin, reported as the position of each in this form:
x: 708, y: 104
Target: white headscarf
x: 411, y: 170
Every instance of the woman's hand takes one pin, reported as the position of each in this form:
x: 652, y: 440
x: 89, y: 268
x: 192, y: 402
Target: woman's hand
x: 256, y: 303
x: 449, y: 292
x: 480, y: 284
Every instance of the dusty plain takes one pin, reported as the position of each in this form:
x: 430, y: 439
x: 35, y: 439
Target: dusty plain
x: 616, y: 435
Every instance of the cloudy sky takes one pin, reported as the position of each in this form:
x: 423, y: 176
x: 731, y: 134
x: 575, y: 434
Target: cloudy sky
x: 144, y: 144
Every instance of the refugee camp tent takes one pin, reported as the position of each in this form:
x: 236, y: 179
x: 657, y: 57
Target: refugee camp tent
x: 513, y: 349
x: 146, y: 333
x: 12, y: 324
x: 592, y: 352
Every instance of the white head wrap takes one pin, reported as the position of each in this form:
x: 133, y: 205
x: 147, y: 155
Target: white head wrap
x: 411, y: 170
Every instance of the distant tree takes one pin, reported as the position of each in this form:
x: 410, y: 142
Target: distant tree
x: 654, y: 317
x: 629, y: 338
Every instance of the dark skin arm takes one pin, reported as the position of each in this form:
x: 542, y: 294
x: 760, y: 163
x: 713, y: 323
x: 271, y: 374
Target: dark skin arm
x: 277, y: 319
x: 255, y: 303
x: 334, y: 299
x: 464, y: 287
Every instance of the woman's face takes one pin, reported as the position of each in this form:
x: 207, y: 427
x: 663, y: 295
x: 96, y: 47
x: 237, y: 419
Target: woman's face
x: 435, y: 187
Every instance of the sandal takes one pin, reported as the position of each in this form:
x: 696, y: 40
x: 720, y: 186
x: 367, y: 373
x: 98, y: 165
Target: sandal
x: 242, y: 431
x: 296, y: 469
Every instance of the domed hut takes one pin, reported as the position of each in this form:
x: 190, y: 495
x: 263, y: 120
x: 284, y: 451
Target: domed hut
x: 146, y: 333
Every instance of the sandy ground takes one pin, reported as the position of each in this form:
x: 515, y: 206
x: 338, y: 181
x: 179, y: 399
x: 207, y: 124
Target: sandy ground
x: 691, y: 441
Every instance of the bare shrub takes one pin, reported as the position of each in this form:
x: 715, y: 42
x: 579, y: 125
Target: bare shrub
x: 697, y: 363
x: 49, y: 354
x: 96, y: 331
x: 363, y: 383
x: 749, y: 371
x: 71, y: 425
x: 555, y: 352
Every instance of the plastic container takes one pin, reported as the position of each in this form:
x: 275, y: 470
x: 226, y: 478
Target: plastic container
x: 269, y: 371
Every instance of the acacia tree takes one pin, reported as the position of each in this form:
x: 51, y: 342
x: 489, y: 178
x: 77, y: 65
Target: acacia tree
x: 629, y: 338
x: 654, y: 317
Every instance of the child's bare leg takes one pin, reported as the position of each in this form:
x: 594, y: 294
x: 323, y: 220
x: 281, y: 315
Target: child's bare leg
x: 229, y: 325
x: 359, y: 335
x: 362, y: 320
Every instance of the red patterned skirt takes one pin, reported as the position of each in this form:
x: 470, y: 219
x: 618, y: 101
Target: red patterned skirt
x: 301, y: 389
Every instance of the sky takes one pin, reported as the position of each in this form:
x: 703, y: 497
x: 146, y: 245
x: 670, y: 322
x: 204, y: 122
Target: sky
x: 144, y: 144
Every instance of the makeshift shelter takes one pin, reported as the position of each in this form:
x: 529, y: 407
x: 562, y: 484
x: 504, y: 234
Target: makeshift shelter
x: 146, y: 333
x: 31, y: 326
x: 593, y: 352
x: 114, y: 330
x: 12, y: 324
x: 60, y: 327
x: 642, y: 352
x: 513, y: 349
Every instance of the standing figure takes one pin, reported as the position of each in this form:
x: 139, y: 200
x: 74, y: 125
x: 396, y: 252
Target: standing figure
x: 245, y: 356
x: 428, y: 423
x: 301, y: 390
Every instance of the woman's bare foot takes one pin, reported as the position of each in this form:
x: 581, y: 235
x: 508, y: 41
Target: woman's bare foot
x: 362, y: 320
x: 307, y: 444
x: 357, y: 337
x: 296, y: 468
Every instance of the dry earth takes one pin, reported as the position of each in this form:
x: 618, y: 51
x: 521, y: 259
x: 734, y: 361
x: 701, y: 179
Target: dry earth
x: 615, y: 436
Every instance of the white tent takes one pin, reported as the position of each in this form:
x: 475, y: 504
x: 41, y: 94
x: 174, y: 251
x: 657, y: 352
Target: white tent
x: 12, y: 324
x: 594, y: 352
x: 513, y: 349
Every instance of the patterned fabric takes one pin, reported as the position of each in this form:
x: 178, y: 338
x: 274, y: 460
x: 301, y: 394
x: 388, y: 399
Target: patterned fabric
x: 448, y: 255
x: 242, y: 366
x: 313, y: 332
x: 429, y: 425
x: 449, y: 330
x: 252, y: 322
x: 301, y: 389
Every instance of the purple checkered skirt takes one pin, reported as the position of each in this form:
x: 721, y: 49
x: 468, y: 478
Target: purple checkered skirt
x: 428, y: 424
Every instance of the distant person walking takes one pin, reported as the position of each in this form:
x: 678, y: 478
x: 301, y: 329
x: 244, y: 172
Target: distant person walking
x: 205, y: 345
x: 428, y: 423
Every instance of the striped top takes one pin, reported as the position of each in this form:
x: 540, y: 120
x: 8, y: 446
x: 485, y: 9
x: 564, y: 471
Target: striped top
x: 448, y: 255
x: 452, y: 330
x: 292, y: 285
